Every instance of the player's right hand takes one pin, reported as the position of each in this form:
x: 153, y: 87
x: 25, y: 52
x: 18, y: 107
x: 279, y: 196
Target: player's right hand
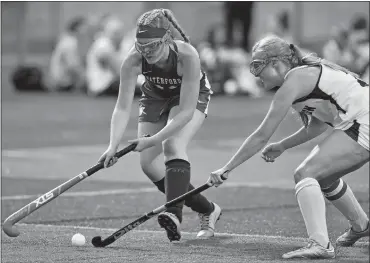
x: 218, y: 177
x: 108, y: 157
x: 272, y: 151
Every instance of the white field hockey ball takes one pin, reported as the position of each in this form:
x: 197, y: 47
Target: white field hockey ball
x: 78, y: 240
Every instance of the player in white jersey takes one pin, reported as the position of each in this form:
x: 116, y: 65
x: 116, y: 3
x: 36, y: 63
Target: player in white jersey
x: 324, y: 94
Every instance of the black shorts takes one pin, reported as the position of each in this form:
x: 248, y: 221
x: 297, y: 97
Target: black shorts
x: 152, y: 109
x: 359, y: 132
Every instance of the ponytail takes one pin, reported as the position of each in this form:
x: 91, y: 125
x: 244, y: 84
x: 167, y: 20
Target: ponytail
x: 167, y: 13
x: 299, y: 59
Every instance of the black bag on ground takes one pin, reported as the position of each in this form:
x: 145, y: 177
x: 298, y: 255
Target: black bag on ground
x: 28, y: 78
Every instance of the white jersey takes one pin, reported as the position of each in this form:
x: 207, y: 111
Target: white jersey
x: 340, y: 100
x: 99, y: 77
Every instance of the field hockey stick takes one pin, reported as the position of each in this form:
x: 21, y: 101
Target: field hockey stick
x: 12, y: 231
x: 98, y: 242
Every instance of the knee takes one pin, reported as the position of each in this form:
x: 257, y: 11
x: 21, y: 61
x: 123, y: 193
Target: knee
x: 146, y: 165
x: 172, y: 148
x: 307, y: 171
x: 299, y: 175
x: 302, y: 172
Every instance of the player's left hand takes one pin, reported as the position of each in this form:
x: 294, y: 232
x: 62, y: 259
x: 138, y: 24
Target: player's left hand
x: 143, y: 143
x: 218, y: 177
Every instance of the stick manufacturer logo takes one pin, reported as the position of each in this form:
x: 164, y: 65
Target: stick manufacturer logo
x: 82, y: 175
x: 127, y: 229
x: 43, y: 199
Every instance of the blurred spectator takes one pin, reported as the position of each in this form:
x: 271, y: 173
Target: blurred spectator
x: 238, y: 12
x: 208, y: 52
x: 104, y: 59
x: 359, y: 46
x: 227, y: 67
x: 95, y: 24
x: 360, y: 28
x: 66, y: 63
x: 279, y: 25
x: 337, y: 48
x: 349, y: 47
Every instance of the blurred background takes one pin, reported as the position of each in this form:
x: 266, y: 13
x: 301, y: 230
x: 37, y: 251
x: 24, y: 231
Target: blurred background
x: 37, y: 36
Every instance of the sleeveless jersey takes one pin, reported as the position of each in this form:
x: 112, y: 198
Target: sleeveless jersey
x: 338, y: 99
x: 166, y: 83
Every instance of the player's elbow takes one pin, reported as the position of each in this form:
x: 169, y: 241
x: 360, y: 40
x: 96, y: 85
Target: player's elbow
x: 188, y: 115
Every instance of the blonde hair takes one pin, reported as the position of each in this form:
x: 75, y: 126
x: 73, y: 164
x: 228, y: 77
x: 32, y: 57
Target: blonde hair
x: 162, y: 18
x: 273, y: 46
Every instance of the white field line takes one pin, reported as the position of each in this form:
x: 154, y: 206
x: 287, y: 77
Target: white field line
x: 299, y: 239
x: 45, y: 151
x: 128, y: 191
x: 85, y: 193
x: 60, y: 151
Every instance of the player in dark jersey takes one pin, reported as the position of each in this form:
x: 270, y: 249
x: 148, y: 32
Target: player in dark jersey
x: 325, y: 94
x: 173, y: 106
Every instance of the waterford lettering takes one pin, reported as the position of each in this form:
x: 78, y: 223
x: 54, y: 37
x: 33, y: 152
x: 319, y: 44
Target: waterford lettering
x: 157, y: 80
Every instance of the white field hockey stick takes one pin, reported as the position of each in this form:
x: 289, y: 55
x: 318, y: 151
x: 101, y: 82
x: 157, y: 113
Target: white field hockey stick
x: 12, y: 231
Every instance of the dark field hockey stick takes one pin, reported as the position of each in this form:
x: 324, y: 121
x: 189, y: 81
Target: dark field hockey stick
x: 98, y: 242
x: 12, y: 231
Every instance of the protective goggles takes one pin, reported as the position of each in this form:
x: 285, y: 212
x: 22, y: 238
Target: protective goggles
x: 258, y: 65
x: 150, y: 47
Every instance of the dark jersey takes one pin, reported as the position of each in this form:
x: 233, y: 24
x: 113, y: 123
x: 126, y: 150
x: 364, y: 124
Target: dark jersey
x: 166, y: 83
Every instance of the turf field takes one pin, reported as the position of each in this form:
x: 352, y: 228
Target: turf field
x: 47, y: 139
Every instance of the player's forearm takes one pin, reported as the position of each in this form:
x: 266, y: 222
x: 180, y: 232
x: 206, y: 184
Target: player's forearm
x: 178, y: 122
x: 118, y: 125
x: 302, y: 135
x: 250, y: 147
